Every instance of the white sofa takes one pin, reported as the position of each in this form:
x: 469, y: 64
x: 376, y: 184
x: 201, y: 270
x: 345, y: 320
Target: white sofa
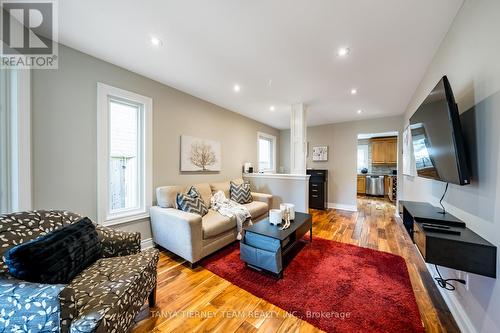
x: 191, y: 236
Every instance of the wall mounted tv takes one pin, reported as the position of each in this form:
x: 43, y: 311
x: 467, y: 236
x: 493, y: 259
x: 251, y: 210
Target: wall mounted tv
x: 438, y: 143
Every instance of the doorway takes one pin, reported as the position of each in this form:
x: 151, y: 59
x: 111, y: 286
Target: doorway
x: 377, y: 167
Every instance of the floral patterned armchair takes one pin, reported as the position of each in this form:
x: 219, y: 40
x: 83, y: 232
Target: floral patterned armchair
x: 105, y: 297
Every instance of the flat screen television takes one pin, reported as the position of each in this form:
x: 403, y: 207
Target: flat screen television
x: 438, y: 142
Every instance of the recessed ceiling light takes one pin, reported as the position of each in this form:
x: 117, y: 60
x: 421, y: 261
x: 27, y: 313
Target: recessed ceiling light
x: 236, y: 88
x: 343, y: 51
x: 271, y: 108
x: 155, y: 41
x: 359, y: 111
x: 354, y: 91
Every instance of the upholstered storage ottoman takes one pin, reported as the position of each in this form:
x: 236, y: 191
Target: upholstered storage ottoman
x: 261, y: 252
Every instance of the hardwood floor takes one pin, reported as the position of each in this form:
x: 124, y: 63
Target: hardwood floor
x: 199, y: 301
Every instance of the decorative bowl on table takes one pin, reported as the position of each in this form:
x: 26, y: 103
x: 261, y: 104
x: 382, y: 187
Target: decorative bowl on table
x: 275, y: 216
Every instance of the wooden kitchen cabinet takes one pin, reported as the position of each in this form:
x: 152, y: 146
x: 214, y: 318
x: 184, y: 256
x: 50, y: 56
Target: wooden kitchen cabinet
x: 361, y: 185
x: 384, y: 150
x: 378, y: 152
x: 387, y: 185
x: 391, y: 151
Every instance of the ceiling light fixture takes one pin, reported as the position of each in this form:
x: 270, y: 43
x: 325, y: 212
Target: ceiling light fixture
x: 343, y: 51
x: 360, y: 111
x: 236, y: 88
x: 155, y: 41
x: 271, y: 108
x: 354, y: 91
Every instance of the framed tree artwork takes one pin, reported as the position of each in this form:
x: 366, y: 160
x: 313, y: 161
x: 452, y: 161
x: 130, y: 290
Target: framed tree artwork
x: 200, y: 155
x: 320, y: 153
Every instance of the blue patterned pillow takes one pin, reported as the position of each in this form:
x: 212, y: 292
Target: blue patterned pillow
x: 192, y: 202
x: 193, y: 193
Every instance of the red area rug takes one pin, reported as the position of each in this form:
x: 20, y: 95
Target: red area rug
x: 334, y: 286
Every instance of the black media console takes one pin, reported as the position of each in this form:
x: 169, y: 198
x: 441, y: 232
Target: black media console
x: 444, y: 240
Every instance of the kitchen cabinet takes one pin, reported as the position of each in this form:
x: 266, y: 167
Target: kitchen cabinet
x: 378, y: 152
x: 384, y: 150
x: 387, y: 185
x: 391, y: 151
x: 361, y: 185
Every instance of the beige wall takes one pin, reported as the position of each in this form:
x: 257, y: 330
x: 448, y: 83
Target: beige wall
x: 64, y: 132
x: 469, y: 55
x: 342, y: 141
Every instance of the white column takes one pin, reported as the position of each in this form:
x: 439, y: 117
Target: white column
x: 298, y: 139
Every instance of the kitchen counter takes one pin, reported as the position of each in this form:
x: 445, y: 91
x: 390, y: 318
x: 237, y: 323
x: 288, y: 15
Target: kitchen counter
x: 375, y: 174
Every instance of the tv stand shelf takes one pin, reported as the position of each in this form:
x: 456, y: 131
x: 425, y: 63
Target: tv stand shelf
x: 455, y: 247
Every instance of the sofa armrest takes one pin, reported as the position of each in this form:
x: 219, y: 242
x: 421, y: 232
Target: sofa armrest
x: 29, y: 306
x: 262, y: 197
x: 177, y: 231
x: 117, y: 243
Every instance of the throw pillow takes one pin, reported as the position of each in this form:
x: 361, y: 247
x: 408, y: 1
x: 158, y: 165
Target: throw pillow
x: 241, y: 193
x: 192, y: 202
x: 56, y: 257
x: 193, y: 193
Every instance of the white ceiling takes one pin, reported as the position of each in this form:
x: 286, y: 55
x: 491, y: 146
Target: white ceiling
x: 208, y: 46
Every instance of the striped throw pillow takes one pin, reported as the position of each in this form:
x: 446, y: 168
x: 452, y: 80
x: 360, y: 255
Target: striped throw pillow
x: 192, y: 202
x: 240, y: 193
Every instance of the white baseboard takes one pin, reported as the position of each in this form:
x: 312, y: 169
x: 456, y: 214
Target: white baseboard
x: 456, y: 309
x: 147, y: 243
x: 351, y: 208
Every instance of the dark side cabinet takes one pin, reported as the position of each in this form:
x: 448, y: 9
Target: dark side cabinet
x: 318, y: 188
x: 445, y: 240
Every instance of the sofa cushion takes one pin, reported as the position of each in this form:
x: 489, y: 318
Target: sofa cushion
x: 166, y: 196
x: 107, y: 296
x: 223, y: 186
x: 56, y: 257
x: 241, y: 193
x: 257, y: 208
x: 205, y: 192
x: 190, y: 204
x: 238, y: 181
x: 214, y: 224
x: 21, y: 300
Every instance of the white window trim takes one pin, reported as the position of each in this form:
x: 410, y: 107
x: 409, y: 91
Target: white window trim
x: 273, y: 138
x: 104, y: 92
x: 20, y: 192
x: 367, y: 155
x: 23, y: 197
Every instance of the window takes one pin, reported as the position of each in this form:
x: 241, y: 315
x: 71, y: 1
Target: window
x: 422, y: 157
x: 362, y: 156
x: 266, y: 150
x: 124, y: 155
x: 15, y: 139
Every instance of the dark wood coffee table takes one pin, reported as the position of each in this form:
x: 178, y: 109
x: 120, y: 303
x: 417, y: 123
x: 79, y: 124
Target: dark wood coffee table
x: 288, y: 238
